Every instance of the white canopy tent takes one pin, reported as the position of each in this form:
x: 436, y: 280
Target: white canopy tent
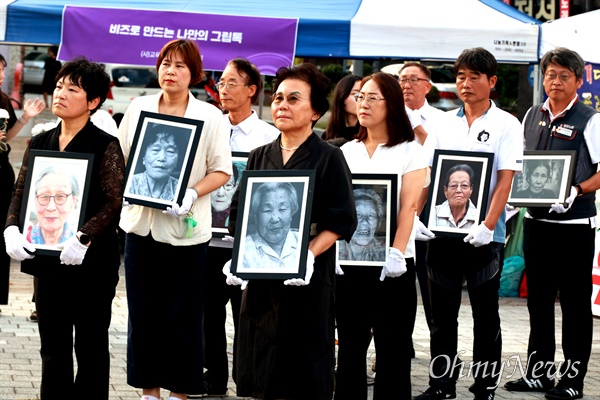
x: 441, y: 29
x: 576, y: 33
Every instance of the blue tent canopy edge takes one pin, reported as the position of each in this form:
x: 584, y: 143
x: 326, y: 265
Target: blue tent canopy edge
x: 323, y: 27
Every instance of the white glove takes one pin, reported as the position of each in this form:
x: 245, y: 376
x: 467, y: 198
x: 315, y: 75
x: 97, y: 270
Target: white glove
x: 232, y: 279
x: 509, y: 207
x: 186, y: 204
x: 479, y: 235
x: 560, y: 208
x: 126, y: 204
x: 338, y: 269
x: 310, y: 268
x: 414, y: 116
x: 72, y: 252
x: 422, y: 233
x: 227, y: 238
x: 395, y: 264
x: 17, y: 244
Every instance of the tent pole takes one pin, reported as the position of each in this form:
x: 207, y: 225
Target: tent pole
x: 537, y: 85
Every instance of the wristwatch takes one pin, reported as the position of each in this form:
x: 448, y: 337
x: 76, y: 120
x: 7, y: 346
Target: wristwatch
x: 84, y: 239
x: 579, y: 189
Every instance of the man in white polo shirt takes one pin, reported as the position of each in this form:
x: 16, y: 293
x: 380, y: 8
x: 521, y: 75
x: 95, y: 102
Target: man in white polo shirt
x: 476, y: 258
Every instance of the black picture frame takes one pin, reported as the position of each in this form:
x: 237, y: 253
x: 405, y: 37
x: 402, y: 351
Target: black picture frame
x: 375, y: 195
x: 185, y: 135
x: 247, y: 262
x: 481, y: 164
x: 219, y: 197
x: 555, y: 167
x: 44, y: 165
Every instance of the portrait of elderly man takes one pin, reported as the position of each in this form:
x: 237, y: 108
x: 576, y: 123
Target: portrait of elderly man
x: 458, y: 211
x: 275, y: 243
x: 364, y: 245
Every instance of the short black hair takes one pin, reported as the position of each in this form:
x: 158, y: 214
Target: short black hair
x: 566, y: 58
x: 252, y: 72
x: 89, y: 76
x: 477, y: 59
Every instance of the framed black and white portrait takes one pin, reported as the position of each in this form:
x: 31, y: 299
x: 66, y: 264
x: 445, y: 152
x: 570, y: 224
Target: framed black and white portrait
x: 458, y: 194
x: 546, y: 179
x: 220, y: 199
x: 376, y: 200
x: 272, y: 225
x: 54, y: 199
x: 161, y: 158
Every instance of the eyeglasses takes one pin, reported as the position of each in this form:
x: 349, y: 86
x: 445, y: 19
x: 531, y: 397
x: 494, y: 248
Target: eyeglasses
x: 455, y: 186
x: 230, y: 85
x: 552, y: 76
x: 59, y: 199
x: 412, y: 80
x: 278, y: 98
x: 370, y: 98
x: 229, y: 186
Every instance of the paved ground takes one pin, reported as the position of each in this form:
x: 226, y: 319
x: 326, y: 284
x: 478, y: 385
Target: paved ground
x: 20, y: 366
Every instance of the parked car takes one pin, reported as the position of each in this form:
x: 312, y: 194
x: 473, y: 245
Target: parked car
x: 128, y: 82
x: 131, y: 81
x: 33, y: 71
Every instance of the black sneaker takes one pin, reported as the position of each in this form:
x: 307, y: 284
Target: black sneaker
x: 529, y: 385
x: 437, y: 393
x: 563, y: 393
x: 489, y: 395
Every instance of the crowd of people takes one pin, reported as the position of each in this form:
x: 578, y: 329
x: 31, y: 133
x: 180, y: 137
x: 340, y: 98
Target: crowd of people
x: 179, y: 278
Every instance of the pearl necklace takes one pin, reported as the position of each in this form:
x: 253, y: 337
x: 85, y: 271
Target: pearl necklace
x: 288, y: 149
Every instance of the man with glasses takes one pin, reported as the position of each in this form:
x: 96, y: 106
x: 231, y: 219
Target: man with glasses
x: 562, y: 122
x: 481, y: 250
x: 239, y: 87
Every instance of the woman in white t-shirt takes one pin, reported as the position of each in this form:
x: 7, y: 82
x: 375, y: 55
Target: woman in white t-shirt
x: 385, y: 144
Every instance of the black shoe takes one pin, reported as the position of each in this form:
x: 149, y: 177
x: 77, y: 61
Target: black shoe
x: 214, y: 391
x: 437, y: 393
x: 33, y: 317
x: 481, y: 393
x: 529, y: 385
x: 563, y: 392
x: 489, y: 395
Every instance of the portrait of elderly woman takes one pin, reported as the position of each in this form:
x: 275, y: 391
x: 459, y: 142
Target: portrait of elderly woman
x: 365, y: 245
x: 275, y: 243
x: 537, y: 177
x: 56, y: 194
x: 159, y: 163
x: 220, y: 199
x: 457, y: 211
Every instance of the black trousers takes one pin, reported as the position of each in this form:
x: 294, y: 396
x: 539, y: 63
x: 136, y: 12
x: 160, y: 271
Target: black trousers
x: 450, y: 261
x: 559, y: 260
x: 423, y: 278
x: 7, y: 181
x: 164, y: 296
x: 75, y: 298
x: 389, y: 308
x: 217, y: 293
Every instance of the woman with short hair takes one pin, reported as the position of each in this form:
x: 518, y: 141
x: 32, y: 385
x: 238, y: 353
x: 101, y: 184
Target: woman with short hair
x: 164, y: 263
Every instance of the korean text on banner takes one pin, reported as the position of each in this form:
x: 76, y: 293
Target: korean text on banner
x: 136, y: 37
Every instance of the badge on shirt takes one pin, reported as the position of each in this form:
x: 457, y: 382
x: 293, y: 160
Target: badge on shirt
x: 564, y: 131
x: 483, y: 136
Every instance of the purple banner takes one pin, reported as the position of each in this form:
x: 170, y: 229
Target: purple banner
x: 128, y: 36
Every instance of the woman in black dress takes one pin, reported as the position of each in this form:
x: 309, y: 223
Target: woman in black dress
x: 286, y: 333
